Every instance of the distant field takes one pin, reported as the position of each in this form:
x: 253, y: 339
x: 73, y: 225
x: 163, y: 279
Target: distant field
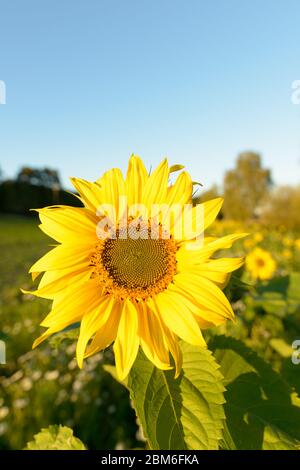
x: 21, y: 243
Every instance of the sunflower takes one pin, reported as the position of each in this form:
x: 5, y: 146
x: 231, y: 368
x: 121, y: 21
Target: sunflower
x: 125, y: 285
x: 260, y: 264
x: 287, y: 253
x: 258, y: 237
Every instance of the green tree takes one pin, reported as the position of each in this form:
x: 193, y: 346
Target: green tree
x: 245, y: 187
x: 45, y: 177
x: 282, y: 208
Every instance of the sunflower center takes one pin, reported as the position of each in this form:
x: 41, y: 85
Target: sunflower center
x: 260, y: 262
x: 135, y: 268
x: 135, y: 263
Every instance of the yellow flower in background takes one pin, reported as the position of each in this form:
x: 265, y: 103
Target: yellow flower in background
x: 260, y: 264
x: 282, y: 228
x: 297, y: 244
x: 133, y: 291
x: 249, y: 243
x: 287, y: 241
x: 258, y: 237
x: 287, y: 253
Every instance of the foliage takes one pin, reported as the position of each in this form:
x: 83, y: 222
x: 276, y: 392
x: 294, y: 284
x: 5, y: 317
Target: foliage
x: 245, y: 187
x: 19, y: 197
x: 259, y: 409
x: 55, y: 438
x: 182, y: 413
x: 281, y: 208
x: 45, y: 177
x: 33, y: 188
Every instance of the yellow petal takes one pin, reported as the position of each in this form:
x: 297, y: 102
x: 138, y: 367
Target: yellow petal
x: 90, y: 193
x: 205, y: 292
x: 178, y: 319
x: 170, y: 339
x: 151, y: 338
x: 68, y: 308
x: 75, y: 300
x: 127, y: 341
x: 113, y: 189
x: 200, y: 217
x: 204, y: 323
x: 50, y: 332
x: 107, y: 333
x: 202, y: 315
x: 135, y: 180
x: 68, y: 223
x: 211, y: 209
x: 181, y: 191
x: 218, y: 270
x: 91, y: 323
x: 187, y: 258
x: 173, y: 346
x: 50, y: 277
x: 49, y: 290
x: 64, y: 256
x: 178, y: 194
x: 155, y: 189
x: 220, y: 244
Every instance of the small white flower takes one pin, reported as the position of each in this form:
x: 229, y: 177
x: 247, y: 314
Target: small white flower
x: 51, y: 375
x: 4, y: 412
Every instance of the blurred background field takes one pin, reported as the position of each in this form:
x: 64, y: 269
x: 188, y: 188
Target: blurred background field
x: 84, y: 84
x: 45, y: 386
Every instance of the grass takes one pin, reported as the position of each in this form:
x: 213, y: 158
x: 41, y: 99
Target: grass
x: 21, y: 243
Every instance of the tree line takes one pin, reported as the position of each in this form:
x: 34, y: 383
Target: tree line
x: 33, y: 188
x: 248, y: 190
x: 250, y: 194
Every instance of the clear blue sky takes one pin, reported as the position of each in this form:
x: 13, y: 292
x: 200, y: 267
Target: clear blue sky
x: 91, y: 81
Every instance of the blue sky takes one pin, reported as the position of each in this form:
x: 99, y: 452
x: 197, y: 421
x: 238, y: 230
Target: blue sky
x: 91, y: 81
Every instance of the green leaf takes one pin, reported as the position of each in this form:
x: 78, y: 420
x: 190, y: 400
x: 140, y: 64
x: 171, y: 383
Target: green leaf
x: 70, y: 334
x: 280, y: 296
x: 55, y: 438
x: 281, y: 347
x: 176, y: 167
x: 182, y: 413
x: 196, y: 183
x: 235, y: 281
x: 259, y: 410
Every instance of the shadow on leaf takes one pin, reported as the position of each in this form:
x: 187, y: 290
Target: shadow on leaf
x: 259, y: 411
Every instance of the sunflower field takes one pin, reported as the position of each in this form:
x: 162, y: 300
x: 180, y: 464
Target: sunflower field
x: 241, y: 392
